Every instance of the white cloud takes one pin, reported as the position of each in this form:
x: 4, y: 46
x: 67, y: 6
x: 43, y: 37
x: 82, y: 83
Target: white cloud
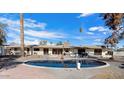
x: 14, y: 25
x: 97, y: 28
x: 85, y: 15
x: 41, y: 34
x: 14, y: 38
x: 30, y: 42
x: 34, y: 24
x: 78, y: 38
x: 105, y: 33
x: 30, y: 38
x: 44, y: 34
x: 9, y: 22
x: 101, y: 29
x: 33, y: 35
x: 90, y: 33
x: 30, y: 23
x: 16, y: 29
x: 30, y: 20
x: 96, y: 43
x: 98, y: 40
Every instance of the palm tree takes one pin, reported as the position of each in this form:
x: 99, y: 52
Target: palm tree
x: 22, y: 34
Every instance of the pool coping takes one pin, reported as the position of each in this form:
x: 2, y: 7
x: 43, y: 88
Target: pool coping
x: 107, y: 65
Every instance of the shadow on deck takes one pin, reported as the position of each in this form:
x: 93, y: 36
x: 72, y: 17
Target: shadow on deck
x: 8, y: 62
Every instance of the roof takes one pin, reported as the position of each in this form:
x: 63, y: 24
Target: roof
x: 90, y: 47
x: 94, y: 47
x: 58, y: 46
x: 52, y: 46
x: 16, y: 46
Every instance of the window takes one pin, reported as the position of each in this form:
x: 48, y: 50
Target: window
x: 66, y: 50
x: 80, y: 51
x: 54, y: 51
x: 28, y: 49
x: 57, y: 51
x: 109, y: 53
x: 46, y: 50
x: 97, y: 51
x: 36, y: 49
x: 15, y: 49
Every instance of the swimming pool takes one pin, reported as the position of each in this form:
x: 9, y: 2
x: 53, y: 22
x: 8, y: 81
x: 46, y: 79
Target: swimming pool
x: 66, y: 63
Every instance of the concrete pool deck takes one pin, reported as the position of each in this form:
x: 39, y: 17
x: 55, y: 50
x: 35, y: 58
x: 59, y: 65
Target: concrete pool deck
x: 22, y: 71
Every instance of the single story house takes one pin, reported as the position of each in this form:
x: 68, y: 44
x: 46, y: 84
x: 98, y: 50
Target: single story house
x: 95, y: 51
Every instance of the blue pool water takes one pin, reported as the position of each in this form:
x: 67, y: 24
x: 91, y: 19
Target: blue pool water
x: 66, y: 63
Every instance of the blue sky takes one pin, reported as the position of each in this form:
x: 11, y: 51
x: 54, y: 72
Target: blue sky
x: 56, y: 27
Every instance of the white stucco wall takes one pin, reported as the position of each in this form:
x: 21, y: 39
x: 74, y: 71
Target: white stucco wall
x: 41, y: 51
x: 105, y: 55
x: 75, y: 51
x: 28, y: 53
x: 50, y: 51
x: 119, y: 53
x: 104, y: 52
x: 90, y: 52
x: 72, y: 52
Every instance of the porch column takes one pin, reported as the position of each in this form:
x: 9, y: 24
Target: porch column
x: 41, y: 51
x: 50, y: 51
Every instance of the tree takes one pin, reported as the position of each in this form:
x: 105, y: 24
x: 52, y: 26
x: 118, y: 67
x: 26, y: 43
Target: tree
x: 59, y: 43
x: 113, y: 20
x: 115, y: 23
x: 43, y: 42
x: 111, y: 41
x: 2, y: 33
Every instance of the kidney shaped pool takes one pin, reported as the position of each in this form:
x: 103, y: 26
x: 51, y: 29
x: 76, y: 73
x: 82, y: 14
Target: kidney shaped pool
x: 66, y: 63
